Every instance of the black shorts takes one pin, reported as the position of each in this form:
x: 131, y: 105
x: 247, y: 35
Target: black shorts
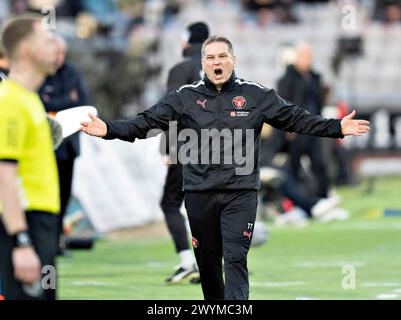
x: 43, y: 231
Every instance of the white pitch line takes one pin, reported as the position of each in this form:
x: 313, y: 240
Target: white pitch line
x: 93, y: 284
x: 329, y: 264
x: 156, y: 264
x: 388, y: 296
x: 277, y: 284
x: 367, y: 225
x: 380, y: 284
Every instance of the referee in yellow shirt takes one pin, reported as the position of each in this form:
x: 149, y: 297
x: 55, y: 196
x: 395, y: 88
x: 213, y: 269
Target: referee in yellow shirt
x: 29, y: 195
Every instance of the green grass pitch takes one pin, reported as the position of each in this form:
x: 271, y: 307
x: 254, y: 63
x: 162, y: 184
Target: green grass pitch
x: 296, y: 263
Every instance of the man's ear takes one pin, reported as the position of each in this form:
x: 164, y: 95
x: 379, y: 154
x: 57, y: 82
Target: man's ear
x: 234, y: 60
x: 27, y: 48
x: 26, y: 52
x: 22, y: 51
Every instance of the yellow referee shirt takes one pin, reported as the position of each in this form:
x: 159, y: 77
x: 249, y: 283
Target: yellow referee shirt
x: 26, y: 138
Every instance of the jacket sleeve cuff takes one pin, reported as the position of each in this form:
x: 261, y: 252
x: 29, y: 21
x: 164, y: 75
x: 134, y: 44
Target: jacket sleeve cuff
x: 110, y: 135
x: 116, y: 130
x: 339, y: 130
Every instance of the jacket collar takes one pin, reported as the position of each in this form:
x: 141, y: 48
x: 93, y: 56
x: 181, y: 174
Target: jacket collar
x: 229, y: 84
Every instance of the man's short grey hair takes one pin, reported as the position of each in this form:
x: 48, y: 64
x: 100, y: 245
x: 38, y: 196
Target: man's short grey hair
x: 213, y: 39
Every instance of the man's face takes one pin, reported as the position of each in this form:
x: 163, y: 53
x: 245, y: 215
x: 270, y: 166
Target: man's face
x: 42, y: 50
x: 218, y: 63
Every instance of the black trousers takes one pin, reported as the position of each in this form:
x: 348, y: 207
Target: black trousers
x: 171, y: 202
x: 65, y: 172
x: 222, y: 226
x: 310, y: 146
x: 42, y: 229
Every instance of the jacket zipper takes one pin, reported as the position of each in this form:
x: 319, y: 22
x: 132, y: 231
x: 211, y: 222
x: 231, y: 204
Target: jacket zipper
x: 219, y: 127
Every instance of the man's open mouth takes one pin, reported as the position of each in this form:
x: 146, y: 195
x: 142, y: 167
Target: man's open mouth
x: 218, y: 71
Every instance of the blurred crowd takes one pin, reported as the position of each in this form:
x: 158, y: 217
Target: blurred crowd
x: 266, y: 12
x: 124, y: 37
x: 121, y: 37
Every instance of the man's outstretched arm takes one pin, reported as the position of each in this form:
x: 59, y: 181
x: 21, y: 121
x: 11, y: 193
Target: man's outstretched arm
x: 284, y: 115
x: 157, y: 117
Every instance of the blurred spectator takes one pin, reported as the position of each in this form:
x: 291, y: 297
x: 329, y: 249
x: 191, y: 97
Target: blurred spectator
x: 271, y: 11
x: 285, y: 12
x: 94, y: 17
x: 342, y: 157
x: 18, y: 6
x: 74, y: 7
x: 278, y: 185
x: 388, y: 11
x: 134, y: 11
x: 172, y: 9
x: 62, y: 91
x: 4, y: 9
x: 393, y: 13
x: 303, y: 86
x: 315, y: 1
x: 116, y: 77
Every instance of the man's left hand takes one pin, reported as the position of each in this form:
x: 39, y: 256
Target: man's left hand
x: 349, y: 126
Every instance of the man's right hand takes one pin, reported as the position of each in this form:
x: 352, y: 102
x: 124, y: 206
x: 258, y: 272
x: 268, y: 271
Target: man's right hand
x: 27, y: 267
x: 96, y: 127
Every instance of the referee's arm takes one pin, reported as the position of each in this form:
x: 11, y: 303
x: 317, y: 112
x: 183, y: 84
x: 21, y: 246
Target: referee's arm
x: 13, y: 216
x: 13, y: 129
x: 26, y: 263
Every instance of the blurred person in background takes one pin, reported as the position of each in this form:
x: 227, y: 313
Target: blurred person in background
x: 393, y: 13
x: 342, y: 156
x: 279, y: 184
x: 18, y: 6
x: 29, y: 195
x: 271, y: 11
x: 185, y: 72
x: 61, y: 91
x: 303, y: 86
x: 388, y: 11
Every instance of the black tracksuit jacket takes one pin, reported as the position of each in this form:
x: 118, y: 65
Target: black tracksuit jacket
x: 259, y: 105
